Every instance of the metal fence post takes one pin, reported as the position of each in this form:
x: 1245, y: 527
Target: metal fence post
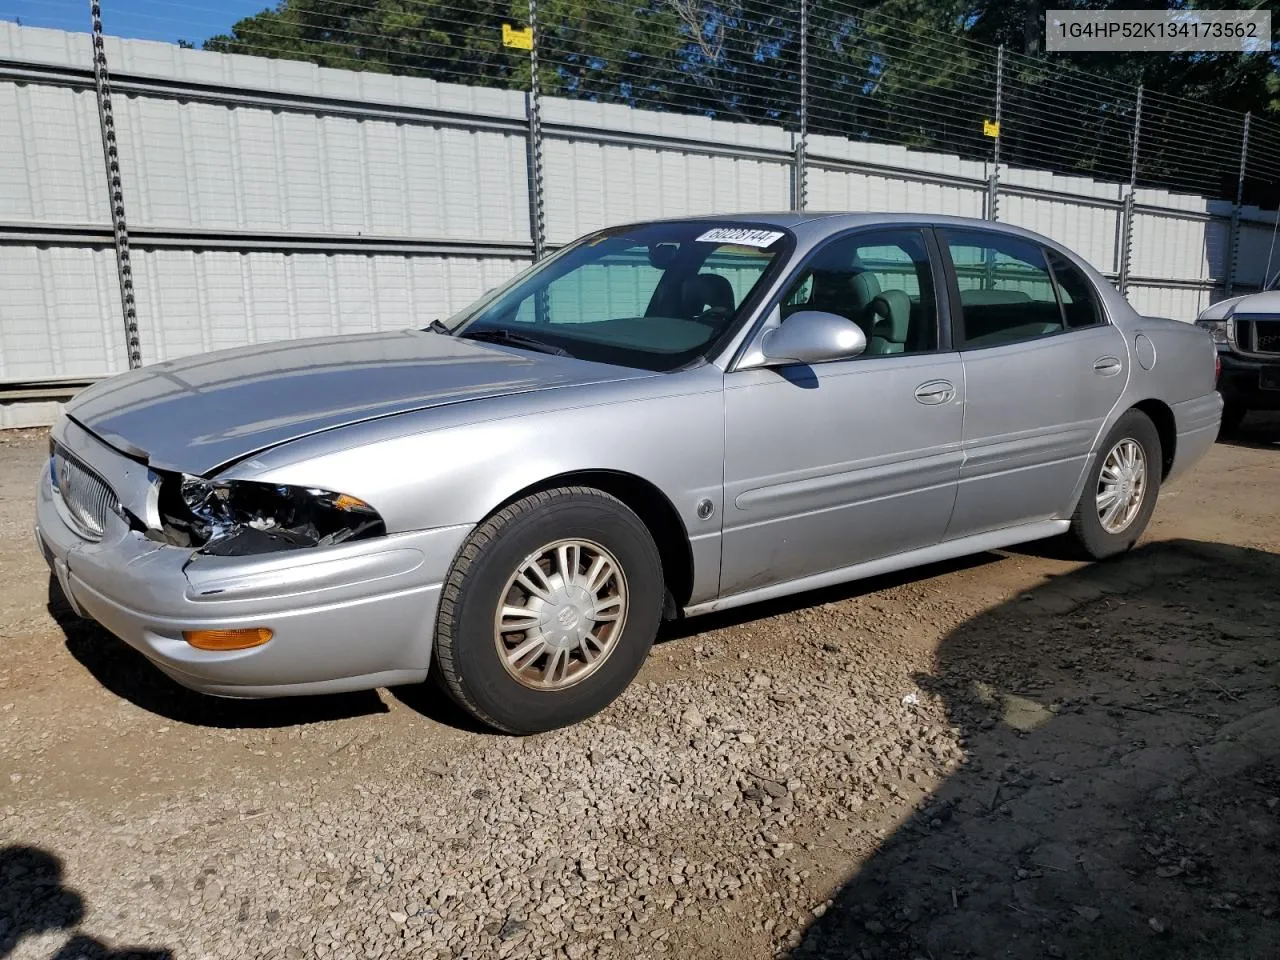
x: 1126, y: 223
x: 1234, y: 239
x: 993, y: 181
x: 801, y: 189
x: 537, y: 208
x: 115, y: 190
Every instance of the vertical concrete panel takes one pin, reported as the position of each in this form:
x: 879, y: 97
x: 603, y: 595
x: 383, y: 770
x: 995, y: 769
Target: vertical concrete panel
x: 195, y: 166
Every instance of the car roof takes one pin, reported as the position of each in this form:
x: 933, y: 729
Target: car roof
x: 825, y: 222
x: 812, y: 227
x: 840, y: 219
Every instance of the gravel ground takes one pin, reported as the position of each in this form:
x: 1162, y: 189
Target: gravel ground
x: 1008, y: 756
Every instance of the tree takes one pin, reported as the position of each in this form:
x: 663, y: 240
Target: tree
x: 919, y: 73
x: 448, y: 40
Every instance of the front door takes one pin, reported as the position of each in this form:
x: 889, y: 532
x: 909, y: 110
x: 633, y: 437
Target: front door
x: 833, y: 464
x: 1042, y: 371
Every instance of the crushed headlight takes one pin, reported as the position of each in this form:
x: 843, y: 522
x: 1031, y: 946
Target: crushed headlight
x: 1217, y: 329
x: 233, y: 518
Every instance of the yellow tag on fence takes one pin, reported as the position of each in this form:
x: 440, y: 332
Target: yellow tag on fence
x: 991, y: 128
x: 520, y: 39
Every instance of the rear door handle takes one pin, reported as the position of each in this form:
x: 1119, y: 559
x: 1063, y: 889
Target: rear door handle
x: 936, y: 391
x: 1106, y: 366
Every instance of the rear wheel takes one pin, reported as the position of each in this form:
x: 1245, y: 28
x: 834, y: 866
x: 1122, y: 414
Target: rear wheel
x: 549, y: 610
x: 1120, y: 492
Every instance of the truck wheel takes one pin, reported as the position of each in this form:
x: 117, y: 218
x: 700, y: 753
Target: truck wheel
x: 1233, y: 415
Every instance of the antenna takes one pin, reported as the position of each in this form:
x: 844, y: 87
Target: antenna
x: 1266, y: 274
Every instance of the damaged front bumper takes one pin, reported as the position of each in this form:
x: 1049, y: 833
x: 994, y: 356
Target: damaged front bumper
x: 353, y: 616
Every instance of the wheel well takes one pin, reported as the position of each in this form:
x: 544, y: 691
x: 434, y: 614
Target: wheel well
x: 656, y: 512
x: 1167, y: 429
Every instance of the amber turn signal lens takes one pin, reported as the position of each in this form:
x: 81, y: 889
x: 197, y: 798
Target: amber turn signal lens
x: 344, y: 501
x: 227, y: 639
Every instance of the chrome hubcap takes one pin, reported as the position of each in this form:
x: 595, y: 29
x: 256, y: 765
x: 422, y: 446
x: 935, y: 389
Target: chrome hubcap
x: 561, y: 615
x: 1121, y: 485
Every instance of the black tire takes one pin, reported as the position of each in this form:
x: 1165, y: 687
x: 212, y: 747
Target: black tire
x: 1087, y: 536
x: 1233, y: 415
x: 466, y: 655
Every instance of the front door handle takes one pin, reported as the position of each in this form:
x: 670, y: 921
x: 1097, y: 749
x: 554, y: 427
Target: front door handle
x: 936, y: 391
x: 1106, y: 366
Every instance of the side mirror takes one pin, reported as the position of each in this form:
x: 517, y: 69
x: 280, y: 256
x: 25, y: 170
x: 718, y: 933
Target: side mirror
x: 812, y: 336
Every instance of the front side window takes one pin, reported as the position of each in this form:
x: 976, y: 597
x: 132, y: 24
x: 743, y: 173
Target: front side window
x: 654, y: 296
x: 1007, y: 293
x: 880, y: 280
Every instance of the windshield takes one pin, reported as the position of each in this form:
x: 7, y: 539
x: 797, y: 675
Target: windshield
x: 654, y: 296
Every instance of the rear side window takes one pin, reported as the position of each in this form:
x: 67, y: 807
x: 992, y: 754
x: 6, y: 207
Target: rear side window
x: 1007, y: 292
x: 1079, y: 298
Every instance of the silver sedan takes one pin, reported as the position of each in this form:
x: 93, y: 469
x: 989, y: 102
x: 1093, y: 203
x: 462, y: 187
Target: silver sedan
x: 660, y: 420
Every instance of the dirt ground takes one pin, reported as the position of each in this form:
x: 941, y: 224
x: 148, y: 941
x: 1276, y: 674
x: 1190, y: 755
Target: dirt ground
x: 1095, y: 770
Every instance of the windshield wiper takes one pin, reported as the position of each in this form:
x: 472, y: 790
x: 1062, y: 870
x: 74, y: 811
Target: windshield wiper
x: 439, y: 326
x: 511, y: 338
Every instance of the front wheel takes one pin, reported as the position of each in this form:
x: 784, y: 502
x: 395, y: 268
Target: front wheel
x: 549, y: 610
x: 1120, y: 492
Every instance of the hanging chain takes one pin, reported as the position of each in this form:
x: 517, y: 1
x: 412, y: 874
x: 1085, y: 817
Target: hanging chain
x: 535, y: 141
x: 1126, y: 226
x: 802, y: 142
x: 106, y: 119
x: 1233, y: 262
x: 993, y: 182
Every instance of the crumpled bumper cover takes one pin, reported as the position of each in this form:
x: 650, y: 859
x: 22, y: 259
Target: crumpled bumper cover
x: 350, y: 617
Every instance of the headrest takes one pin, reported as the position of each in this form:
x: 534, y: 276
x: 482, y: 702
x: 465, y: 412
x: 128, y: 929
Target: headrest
x: 890, y: 315
x: 707, y: 291
x: 866, y: 287
x: 843, y: 293
x: 989, y: 298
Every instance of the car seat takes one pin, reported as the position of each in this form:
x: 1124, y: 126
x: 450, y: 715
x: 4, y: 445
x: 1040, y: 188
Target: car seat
x: 843, y: 293
x: 705, y: 293
x: 889, y: 316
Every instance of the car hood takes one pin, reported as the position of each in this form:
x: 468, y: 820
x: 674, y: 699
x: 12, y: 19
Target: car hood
x: 200, y: 413
x: 1267, y: 302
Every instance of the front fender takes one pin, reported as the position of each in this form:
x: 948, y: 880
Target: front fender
x: 458, y: 464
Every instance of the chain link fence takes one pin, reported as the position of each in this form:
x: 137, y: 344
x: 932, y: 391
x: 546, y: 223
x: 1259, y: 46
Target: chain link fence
x: 849, y: 107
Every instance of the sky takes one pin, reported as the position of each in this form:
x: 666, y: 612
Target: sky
x: 169, y: 20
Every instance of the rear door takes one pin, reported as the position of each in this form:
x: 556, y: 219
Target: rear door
x: 1042, y: 369
x: 831, y: 464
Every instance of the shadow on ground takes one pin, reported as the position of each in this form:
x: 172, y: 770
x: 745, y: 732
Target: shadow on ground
x: 679, y: 629
x: 1120, y: 792
x: 129, y: 675
x: 1260, y: 429
x: 34, y: 901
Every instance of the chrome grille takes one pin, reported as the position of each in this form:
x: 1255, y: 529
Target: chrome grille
x: 1266, y: 336
x: 85, y: 497
x: 1257, y: 335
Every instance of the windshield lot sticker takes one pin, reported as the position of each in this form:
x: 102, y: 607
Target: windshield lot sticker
x: 744, y: 236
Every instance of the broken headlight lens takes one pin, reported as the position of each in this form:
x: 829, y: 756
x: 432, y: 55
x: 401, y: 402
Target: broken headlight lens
x: 243, y: 517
